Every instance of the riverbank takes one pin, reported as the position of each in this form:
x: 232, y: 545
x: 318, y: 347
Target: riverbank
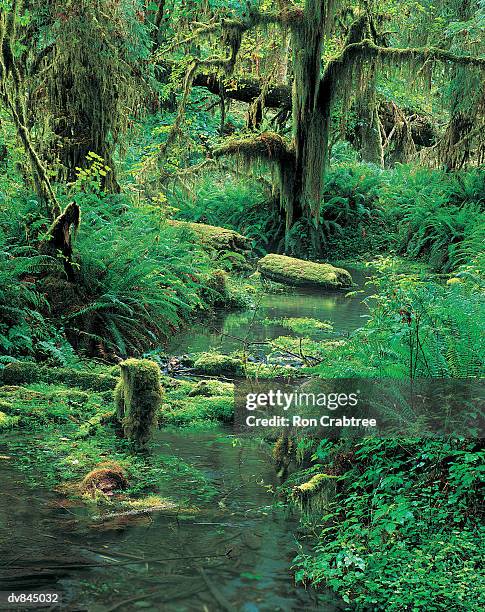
x: 58, y: 427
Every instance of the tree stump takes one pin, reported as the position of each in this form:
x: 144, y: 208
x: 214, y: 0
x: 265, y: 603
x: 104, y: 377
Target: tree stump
x: 138, y: 396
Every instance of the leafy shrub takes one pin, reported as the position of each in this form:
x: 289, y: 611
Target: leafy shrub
x: 226, y: 201
x: 24, y: 331
x: 139, y: 278
x: 416, y: 328
x: 401, y: 531
x: 440, y: 216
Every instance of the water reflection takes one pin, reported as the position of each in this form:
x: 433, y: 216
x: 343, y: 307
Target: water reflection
x: 223, y: 331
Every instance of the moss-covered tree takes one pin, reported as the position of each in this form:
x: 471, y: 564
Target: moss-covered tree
x: 299, y: 159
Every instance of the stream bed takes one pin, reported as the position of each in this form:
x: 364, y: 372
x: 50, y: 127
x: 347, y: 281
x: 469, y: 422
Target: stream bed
x: 232, y: 552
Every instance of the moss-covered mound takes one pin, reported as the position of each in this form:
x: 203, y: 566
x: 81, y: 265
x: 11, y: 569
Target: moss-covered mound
x: 218, y: 238
x: 300, y: 273
x: 106, y: 478
x: 214, y: 364
x: 27, y: 373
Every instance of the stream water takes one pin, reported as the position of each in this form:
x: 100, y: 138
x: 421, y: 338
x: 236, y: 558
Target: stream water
x: 231, y: 553
x: 224, y: 331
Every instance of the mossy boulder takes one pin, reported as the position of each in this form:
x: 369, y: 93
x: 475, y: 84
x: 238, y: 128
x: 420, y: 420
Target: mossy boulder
x: 214, y: 364
x: 300, y: 273
x: 210, y: 388
x: 138, y: 396
x: 218, y: 238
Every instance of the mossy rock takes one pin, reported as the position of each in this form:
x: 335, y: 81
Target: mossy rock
x: 218, y: 238
x: 210, y: 388
x: 300, y: 273
x: 22, y: 373
x: 214, y: 364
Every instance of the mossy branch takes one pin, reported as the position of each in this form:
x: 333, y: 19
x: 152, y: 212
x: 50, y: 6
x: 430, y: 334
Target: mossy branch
x: 268, y: 146
x: 368, y: 48
x: 245, y: 90
x: 289, y: 16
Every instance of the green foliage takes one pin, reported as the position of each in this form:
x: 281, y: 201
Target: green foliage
x: 77, y: 437
x: 142, y: 283
x: 440, y: 216
x: 401, y: 530
x: 228, y: 201
x: 416, y: 328
x: 24, y: 330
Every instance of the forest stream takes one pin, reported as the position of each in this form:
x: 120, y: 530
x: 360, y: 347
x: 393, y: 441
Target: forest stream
x: 226, y: 331
x: 232, y: 552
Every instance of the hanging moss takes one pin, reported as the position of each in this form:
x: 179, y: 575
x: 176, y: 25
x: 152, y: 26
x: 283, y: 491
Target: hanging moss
x: 138, y: 396
x: 315, y: 495
x: 87, y: 89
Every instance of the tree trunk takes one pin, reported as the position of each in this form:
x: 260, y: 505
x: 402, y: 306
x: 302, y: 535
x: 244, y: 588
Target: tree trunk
x: 310, y: 119
x: 368, y: 129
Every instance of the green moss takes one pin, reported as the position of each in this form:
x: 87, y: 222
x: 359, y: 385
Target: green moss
x: 138, y: 397
x: 315, y: 495
x: 7, y: 422
x: 218, y: 238
x: 214, y: 364
x: 300, y: 273
x: 198, y: 411
x: 312, y: 486
x: 22, y: 373
x: 76, y: 437
x: 209, y: 388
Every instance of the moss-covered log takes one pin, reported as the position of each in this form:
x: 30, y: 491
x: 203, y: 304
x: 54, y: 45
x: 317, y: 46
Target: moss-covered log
x: 138, y: 396
x: 300, y: 273
x: 218, y: 238
x: 26, y: 373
